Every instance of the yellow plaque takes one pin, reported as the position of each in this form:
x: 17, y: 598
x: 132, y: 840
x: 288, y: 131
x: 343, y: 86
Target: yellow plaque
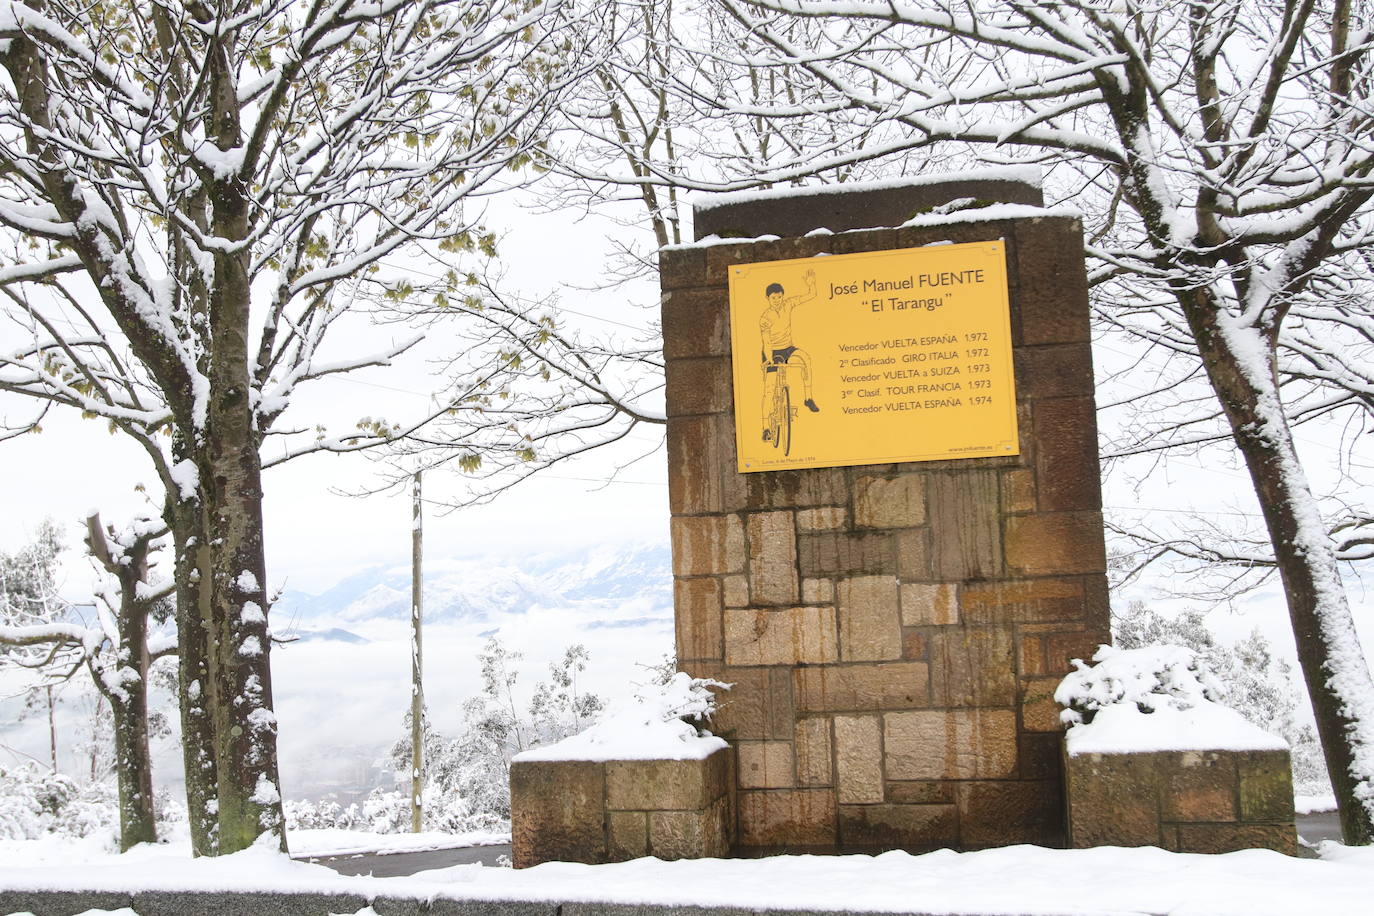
x: 873, y: 358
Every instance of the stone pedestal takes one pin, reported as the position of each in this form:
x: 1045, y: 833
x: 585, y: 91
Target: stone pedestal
x: 894, y: 632
x: 611, y: 811
x: 1183, y: 801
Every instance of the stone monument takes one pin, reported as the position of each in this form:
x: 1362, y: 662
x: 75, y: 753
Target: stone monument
x: 894, y: 615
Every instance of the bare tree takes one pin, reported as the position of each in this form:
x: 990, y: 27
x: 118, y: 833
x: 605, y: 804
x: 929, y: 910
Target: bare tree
x: 39, y: 631
x: 195, y: 195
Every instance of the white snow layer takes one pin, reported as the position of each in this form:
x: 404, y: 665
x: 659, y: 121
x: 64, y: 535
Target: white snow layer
x: 1206, y: 727
x: 1024, y: 880
x: 1029, y: 174
x: 1155, y: 698
x: 645, y: 725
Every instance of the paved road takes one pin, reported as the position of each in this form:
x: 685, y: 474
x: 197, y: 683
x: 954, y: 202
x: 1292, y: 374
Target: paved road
x: 395, y: 864
x: 1315, y: 827
x: 1311, y: 827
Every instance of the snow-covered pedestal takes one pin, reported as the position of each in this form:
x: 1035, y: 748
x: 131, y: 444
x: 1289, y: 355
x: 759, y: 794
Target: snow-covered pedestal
x: 613, y: 810
x: 641, y: 782
x: 1151, y: 760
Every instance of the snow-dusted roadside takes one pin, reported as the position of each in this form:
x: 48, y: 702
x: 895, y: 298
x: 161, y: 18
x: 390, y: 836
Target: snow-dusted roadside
x: 1023, y: 880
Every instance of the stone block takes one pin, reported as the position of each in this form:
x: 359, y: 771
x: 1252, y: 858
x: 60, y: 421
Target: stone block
x: 665, y: 785
x: 842, y: 209
x: 950, y: 744
x: 973, y: 666
x: 825, y: 518
x: 696, y: 322
x: 697, y: 386
x: 557, y: 812
x: 913, y: 554
x: 1059, y: 543
x: 18, y: 901
x: 735, y: 590
x: 765, y: 764
x: 812, y: 746
x: 798, y: 489
x: 929, y: 604
x: 937, y: 792
x: 1009, y: 813
x: 450, y: 906
x: 1066, y: 463
x: 863, y: 688
x: 404, y: 906
x: 1199, y: 786
x: 701, y: 467
x: 707, y: 545
x: 1219, y: 838
x: 1053, y: 292
x: 1023, y: 601
x: 627, y: 835
x: 855, y: 241
x: 958, y: 233
x: 762, y: 636
x: 965, y: 521
x: 1018, y: 490
x: 1039, y: 711
x: 772, y: 558
x: 887, y: 826
x: 1059, y: 371
x: 858, y: 760
x: 259, y: 903
x: 681, y: 267
x: 697, y: 612
x: 787, y: 817
x: 1061, y: 648
x: 1030, y: 651
x: 688, y: 834
x: 1112, y: 800
x: 1040, y: 756
x: 833, y: 554
x: 818, y: 591
x: 914, y: 647
x: 870, y: 618
x: 758, y: 706
x: 890, y: 502
x: 1266, y: 786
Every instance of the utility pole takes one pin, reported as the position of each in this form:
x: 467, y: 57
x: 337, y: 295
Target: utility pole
x: 417, y: 689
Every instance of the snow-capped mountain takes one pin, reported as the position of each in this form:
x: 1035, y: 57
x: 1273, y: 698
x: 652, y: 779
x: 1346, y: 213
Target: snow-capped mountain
x: 481, y: 589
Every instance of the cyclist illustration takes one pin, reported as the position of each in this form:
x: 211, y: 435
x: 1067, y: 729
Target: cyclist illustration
x: 778, y: 354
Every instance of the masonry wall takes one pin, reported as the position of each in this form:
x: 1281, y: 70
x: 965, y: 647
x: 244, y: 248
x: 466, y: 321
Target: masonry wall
x: 894, y: 632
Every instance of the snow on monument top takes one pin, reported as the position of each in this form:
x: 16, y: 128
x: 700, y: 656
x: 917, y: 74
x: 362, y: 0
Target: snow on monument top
x: 1156, y: 698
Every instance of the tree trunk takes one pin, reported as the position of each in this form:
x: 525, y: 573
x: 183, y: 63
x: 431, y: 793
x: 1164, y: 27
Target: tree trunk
x: 1333, y: 665
x: 417, y: 680
x: 52, y: 729
x: 133, y: 762
x: 194, y: 679
x: 249, y: 793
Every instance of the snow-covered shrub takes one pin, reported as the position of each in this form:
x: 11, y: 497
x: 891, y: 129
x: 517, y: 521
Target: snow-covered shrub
x: 1148, y: 678
x: 302, y: 814
x: 35, y: 802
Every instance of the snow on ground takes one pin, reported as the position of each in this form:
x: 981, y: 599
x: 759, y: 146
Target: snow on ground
x: 1024, y: 880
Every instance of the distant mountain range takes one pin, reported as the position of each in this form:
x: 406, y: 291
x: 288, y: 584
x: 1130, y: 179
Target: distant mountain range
x: 483, y: 589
